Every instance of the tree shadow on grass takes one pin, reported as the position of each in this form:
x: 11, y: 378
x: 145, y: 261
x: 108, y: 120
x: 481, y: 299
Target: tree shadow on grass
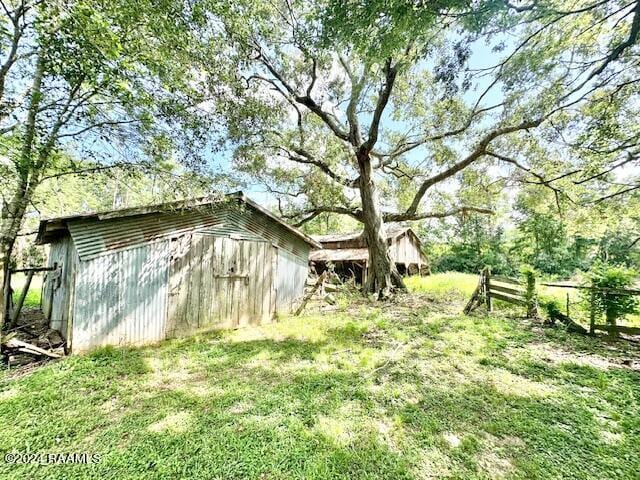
x: 290, y: 408
x: 325, y: 425
x: 296, y: 428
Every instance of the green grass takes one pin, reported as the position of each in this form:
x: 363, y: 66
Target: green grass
x: 411, y: 390
x: 444, y: 284
x: 18, y: 281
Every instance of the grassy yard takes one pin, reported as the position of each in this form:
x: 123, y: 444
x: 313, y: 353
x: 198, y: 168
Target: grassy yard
x: 18, y: 281
x: 410, y: 390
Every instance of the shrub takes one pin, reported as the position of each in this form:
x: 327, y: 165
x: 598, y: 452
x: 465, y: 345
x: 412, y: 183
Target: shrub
x: 552, y: 307
x: 613, y: 306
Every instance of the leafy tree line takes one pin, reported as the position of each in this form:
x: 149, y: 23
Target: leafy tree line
x: 553, y: 244
x: 372, y: 110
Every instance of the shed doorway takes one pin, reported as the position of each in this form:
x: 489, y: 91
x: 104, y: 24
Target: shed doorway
x: 219, y: 282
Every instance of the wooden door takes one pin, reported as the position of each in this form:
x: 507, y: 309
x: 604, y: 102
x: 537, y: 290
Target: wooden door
x: 219, y: 282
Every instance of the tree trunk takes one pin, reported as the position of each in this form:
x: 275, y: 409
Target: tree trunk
x: 383, y: 275
x: 10, y: 222
x: 612, y: 321
x: 4, y: 272
x: 28, y: 170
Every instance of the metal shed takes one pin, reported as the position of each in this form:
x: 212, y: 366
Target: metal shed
x: 140, y: 275
x: 349, y: 254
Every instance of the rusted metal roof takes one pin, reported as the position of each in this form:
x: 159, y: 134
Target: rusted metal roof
x: 95, y: 233
x: 339, y: 255
x: 390, y: 232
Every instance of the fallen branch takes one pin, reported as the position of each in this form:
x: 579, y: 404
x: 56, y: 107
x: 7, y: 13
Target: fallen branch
x: 19, y: 345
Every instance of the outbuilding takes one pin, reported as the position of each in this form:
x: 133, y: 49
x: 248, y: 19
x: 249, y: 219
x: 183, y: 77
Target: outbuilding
x: 349, y: 256
x: 140, y: 275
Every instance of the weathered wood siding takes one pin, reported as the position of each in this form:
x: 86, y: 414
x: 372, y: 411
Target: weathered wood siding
x: 120, y: 298
x: 292, y: 272
x: 58, y: 285
x: 220, y: 282
x: 405, y: 249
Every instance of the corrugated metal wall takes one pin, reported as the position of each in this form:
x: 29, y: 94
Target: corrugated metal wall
x: 123, y: 274
x: 292, y: 274
x: 121, y: 297
x: 97, y: 237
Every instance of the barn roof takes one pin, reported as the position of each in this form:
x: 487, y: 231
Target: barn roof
x: 339, y: 255
x: 391, y: 233
x: 332, y: 253
x: 52, y: 228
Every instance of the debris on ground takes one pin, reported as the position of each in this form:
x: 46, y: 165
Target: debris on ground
x: 556, y: 315
x: 31, y: 341
x: 321, y: 292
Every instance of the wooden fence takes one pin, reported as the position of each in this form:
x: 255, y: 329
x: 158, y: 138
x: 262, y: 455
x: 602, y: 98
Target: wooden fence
x: 506, y: 289
x: 611, y: 328
x: 516, y: 292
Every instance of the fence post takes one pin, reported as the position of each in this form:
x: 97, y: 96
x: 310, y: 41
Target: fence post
x: 592, y: 311
x: 532, y: 300
x: 487, y: 288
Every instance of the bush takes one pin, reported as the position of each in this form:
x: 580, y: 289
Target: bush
x: 614, y: 307
x: 552, y: 307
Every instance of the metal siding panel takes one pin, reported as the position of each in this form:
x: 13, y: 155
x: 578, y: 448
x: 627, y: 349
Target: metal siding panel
x: 291, y: 276
x: 121, y: 298
x: 249, y: 220
x: 96, y: 237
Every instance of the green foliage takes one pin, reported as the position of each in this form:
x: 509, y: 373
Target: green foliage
x: 32, y: 300
x: 552, y: 307
x: 620, y: 247
x: 530, y: 274
x: 614, y: 307
x: 543, y: 243
x: 475, y: 242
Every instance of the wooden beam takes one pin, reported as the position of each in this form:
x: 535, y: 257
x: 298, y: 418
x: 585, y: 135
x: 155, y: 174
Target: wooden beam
x: 8, y: 298
x: 308, y: 296
x: 29, y: 348
x: 507, y: 298
x: 23, y: 295
x: 614, y: 291
x: 592, y: 313
x: 501, y: 279
x: 487, y: 288
x: 33, y: 269
x: 512, y: 291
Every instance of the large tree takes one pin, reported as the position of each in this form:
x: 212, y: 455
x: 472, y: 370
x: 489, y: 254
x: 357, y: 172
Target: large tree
x: 369, y: 109
x: 86, y: 86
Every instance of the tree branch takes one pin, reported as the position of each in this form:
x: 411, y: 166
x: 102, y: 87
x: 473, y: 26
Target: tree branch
x: 355, y: 136
x: 305, y: 100
x: 478, y: 152
x: 541, y: 180
x: 313, y: 212
x: 402, y: 217
x: 304, y: 157
x: 391, y: 72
